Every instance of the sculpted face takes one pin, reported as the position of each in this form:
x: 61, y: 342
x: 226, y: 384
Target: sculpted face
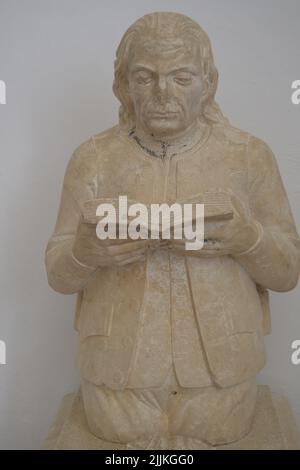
x: 165, y: 86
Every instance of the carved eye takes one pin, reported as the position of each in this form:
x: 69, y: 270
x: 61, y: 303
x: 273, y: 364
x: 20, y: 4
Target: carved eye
x: 143, y: 78
x: 183, y: 78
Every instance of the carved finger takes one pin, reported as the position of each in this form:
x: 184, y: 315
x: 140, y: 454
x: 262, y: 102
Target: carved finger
x: 129, y: 247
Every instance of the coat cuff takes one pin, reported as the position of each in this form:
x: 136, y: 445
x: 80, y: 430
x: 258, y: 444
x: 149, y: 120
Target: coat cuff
x: 254, y: 248
x: 79, y: 265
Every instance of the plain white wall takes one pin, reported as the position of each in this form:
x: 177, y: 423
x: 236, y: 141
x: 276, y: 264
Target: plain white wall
x: 56, y: 57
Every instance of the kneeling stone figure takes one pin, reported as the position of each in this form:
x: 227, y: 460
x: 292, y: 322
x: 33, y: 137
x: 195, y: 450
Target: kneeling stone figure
x: 171, y: 340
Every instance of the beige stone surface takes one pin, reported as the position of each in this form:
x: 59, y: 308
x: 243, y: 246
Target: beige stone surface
x: 273, y: 429
x: 150, y: 314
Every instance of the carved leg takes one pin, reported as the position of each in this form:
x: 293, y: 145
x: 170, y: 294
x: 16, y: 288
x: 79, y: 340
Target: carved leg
x: 122, y: 416
x: 213, y: 415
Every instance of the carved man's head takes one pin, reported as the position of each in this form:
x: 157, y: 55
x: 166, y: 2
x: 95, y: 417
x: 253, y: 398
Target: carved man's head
x: 165, y: 77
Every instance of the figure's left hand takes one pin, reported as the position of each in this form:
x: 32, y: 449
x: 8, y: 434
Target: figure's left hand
x: 226, y: 237
x: 235, y: 235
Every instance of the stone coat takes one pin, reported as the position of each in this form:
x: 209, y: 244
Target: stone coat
x: 206, y: 314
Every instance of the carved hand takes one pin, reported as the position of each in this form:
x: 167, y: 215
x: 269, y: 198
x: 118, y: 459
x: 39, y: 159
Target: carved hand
x: 225, y: 237
x: 91, y: 251
x: 236, y: 235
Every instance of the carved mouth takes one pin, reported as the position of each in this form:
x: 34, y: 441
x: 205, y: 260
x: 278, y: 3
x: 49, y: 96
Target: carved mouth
x: 164, y: 115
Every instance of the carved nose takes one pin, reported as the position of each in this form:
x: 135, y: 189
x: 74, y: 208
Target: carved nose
x: 162, y: 84
x: 162, y: 88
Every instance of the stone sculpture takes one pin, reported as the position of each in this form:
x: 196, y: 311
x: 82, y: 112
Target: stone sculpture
x: 171, y: 340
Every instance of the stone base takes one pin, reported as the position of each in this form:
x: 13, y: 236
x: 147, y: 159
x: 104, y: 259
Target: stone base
x: 273, y: 429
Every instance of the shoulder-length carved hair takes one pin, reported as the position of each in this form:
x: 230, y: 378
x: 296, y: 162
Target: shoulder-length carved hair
x: 166, y: 25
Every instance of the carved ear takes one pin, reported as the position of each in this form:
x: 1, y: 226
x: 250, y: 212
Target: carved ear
x: 126, y: 110
x: 210, y: 78
x: 205, y: 94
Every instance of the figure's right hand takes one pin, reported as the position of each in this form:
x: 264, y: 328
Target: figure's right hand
x: 91, y: 251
